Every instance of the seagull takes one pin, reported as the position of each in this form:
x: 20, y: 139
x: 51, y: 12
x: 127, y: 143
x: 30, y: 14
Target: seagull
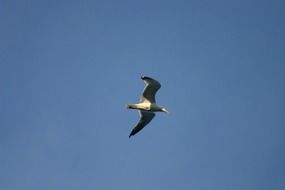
x: 147, y: 105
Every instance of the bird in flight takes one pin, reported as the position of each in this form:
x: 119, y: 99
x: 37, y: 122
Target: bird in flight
x: 147, y: 105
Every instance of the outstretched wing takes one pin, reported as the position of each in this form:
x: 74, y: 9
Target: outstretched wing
x: 151, y: 87
x: 145, y: 118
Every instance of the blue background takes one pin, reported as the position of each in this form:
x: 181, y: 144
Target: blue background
x: 68, y: 68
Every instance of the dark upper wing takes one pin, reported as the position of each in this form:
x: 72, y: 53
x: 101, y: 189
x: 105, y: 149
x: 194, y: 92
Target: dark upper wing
x: 152, y: 86
x: 146, y: 117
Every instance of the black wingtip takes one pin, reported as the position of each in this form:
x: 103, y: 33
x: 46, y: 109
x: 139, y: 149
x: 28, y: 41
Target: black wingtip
x: 145, y: 77
x: 131, y: 134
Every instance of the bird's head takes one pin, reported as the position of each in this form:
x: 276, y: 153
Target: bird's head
x: 164, y: 110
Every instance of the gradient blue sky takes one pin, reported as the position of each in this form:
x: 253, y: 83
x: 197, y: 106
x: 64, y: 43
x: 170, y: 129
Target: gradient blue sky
x: 67, y: 69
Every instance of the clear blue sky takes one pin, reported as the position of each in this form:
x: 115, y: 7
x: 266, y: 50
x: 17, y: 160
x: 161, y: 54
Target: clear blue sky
x: 68, y: 68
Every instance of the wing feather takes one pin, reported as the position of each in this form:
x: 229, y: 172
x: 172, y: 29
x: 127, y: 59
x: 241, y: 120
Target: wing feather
x: 145, y: 118
x: 151, y: 87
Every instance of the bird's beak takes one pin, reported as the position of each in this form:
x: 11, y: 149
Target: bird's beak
x: 165, y: 110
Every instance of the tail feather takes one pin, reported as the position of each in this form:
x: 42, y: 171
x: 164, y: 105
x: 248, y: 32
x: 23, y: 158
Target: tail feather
x: 131, y: 106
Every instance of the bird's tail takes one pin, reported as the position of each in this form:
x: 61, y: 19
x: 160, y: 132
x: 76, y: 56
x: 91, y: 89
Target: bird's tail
x: 132, y: 106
